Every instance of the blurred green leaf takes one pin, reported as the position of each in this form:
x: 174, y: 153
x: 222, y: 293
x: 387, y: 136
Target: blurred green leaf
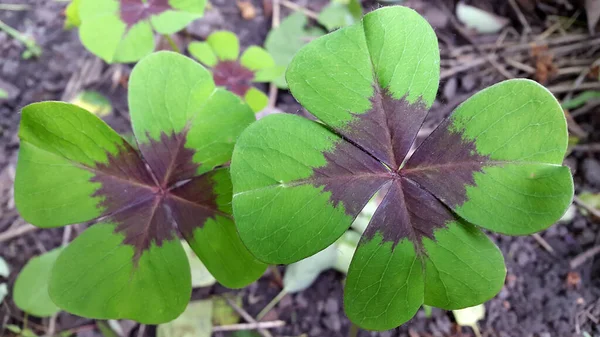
x: 19, y: 331
x: 72, y: 19
x: 93, y: 102
x: 31, y: 288
x: 580, y: 99
x: 105, y: 329
x: 284, y: 41
x: 3, y: 94
x: 223, y: 313
x: 340, y: 14
x: 245, y: 333
x: 591, y: 199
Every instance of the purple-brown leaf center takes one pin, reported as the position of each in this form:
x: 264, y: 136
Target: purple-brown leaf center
x: 150, y: 200
x: 233, y: 76
x: 134, y: 11
x: 369, y: 156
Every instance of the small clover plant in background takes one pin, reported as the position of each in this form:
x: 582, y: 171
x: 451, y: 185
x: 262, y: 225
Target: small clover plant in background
x: 122, y: 31
x: 340, y: 13
x: 31, y: 287
x: 284, y: 41
x: 221, y: 52
x: 73, y: 168
x: 495, y: 163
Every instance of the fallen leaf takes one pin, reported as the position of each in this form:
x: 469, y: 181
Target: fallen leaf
x: 573, y: 279
x: 3, y: 291
x: 569, y: 215
x: 247, y: 9
x: 301, y: 275
x: 481, y: 21
x: 4, y: 269
x: 195, y: 321
x: 201, y: 277
x: 592, y: 9
x: 594, y: 73
x: 544, y: 63
x: 470, y: 316
x: 345, y: 248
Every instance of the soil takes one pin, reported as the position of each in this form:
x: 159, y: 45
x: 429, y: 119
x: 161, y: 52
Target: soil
x: 543, y: 296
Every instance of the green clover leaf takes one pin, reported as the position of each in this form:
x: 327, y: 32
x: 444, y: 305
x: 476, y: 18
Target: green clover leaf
x: 221, y: 51
x: 494, y: 163
x: 121, y: 31
x: 73, y: 168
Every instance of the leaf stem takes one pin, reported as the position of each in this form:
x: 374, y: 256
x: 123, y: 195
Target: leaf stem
x: 353, y: 332
x: 271, y: 305
x: 172, y: 43
x: 25, y: 318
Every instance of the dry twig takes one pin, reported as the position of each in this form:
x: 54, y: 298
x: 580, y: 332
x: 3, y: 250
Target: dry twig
x: 15, y: 232
x: 299, y: 8
x: 249, y: 326
x: 581, y: 258
x: 245, y: 315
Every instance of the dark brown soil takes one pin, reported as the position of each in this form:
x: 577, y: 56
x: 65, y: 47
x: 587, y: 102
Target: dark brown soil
x: 542, y: 296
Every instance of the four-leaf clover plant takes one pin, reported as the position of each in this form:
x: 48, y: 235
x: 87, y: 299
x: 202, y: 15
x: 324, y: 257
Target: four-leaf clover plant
x: 495, y: 164
x: 122, y: 31
x: 73, y: 168
x: 221, y: 52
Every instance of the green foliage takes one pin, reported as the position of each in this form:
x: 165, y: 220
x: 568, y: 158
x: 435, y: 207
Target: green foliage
x: 340, y: 13
x: 93, y: 102
x: 581, y: 99
x: 3, y: 94
x: 72, y: 19
x: 496, y: 162
x: 31, y: 288
x: 120, y: 31
x: 284, y: 41
x: 73, y: 168
x: 221, y: 51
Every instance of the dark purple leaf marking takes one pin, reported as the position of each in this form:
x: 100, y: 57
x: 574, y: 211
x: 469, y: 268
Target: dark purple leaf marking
x: 351, y: 175
x: 134, y: 11
x: 408, y: 211
x: 150, y: 203
x: 420, y: 193
x: 388, y: 129
x: 445, y: 164
x: 194, y: 203
x: 168, y: 158
x: 233, y: 76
